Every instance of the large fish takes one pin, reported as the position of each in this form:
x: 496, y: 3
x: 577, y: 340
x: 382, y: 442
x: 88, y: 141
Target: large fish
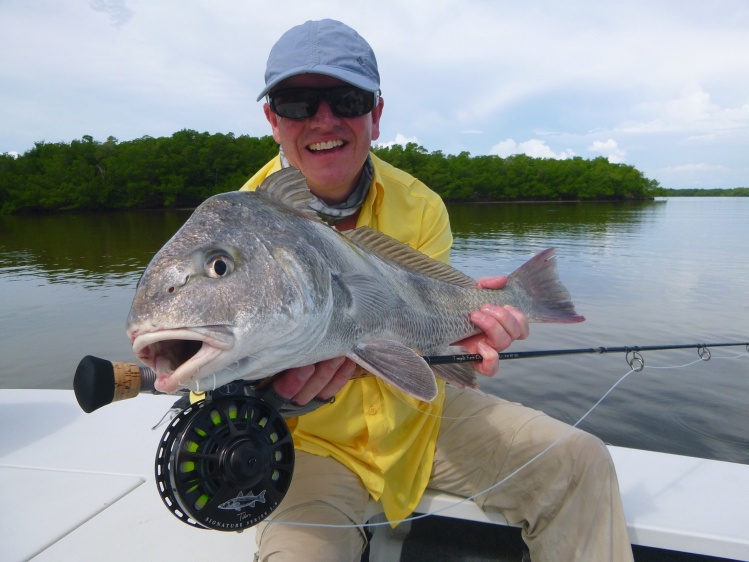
x: 255, y: 283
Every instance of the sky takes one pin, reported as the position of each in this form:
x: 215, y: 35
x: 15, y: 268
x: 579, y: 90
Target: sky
x: 662, y: 85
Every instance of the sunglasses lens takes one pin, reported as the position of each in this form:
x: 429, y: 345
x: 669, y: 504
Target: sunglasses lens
x: 295, y: 104
x: 350, y: 102
x: 299, y: 103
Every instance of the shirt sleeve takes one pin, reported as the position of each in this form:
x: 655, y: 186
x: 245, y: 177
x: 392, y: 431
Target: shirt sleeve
x: 273, y: 166
x: 436, y: 238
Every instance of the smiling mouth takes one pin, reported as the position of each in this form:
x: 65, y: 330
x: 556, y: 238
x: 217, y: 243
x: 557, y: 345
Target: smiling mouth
x: 327, y: 145
x: 180, y: 356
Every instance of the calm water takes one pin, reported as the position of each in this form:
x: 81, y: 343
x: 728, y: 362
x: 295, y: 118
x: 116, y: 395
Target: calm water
x: 662, y: 272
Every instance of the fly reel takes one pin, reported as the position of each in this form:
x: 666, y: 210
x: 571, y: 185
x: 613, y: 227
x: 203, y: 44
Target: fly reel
x: 225, y: 463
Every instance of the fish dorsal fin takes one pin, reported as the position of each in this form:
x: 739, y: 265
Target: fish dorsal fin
x: 289, y: 187
x: 407, y: 257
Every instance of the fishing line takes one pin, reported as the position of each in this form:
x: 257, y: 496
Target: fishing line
x: 702, y: 349
x: 249, y: 442
x: 469, y: 498
x: 702, y: 358
x: 214, y: 449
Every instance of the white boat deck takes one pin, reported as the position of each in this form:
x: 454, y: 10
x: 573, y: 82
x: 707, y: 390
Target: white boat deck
x: 80, y: 487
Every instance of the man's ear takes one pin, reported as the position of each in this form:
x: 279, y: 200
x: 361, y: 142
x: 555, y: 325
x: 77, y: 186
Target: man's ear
x: 376, y: 114
x: 273, y: 120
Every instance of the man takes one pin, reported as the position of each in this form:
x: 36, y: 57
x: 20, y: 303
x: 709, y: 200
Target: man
x: 324, y: 108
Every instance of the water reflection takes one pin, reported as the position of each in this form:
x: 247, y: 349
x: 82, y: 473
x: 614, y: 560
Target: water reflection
x: 502, y: 236
x: 110, y: 249
x: 495, y: 220
x: 96, y: 250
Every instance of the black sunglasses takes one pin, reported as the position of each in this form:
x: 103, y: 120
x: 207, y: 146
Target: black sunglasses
x: 303, y: 103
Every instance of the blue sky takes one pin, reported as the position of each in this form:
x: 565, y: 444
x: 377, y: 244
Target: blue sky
x: 661, y: 85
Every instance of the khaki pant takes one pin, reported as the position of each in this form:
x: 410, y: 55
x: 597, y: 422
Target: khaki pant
x: 567, y: 500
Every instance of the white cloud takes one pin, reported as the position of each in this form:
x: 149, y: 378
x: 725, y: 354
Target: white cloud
x: 399, y: 139
x: 610, y: 149
x: 705, y: 138
x: 534, y: 147
x: 692, y: 168
x: 118, y: 12
x: 701, y: 175
x: 692, y: 112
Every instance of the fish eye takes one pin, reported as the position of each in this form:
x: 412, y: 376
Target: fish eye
x: 218, y: 266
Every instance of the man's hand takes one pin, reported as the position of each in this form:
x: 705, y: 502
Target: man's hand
x: 502, y: 325
x: 321, y: 380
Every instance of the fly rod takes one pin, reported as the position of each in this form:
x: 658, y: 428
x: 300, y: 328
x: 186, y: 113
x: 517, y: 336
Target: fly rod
x: 99, y: 382
x: 703, y: 350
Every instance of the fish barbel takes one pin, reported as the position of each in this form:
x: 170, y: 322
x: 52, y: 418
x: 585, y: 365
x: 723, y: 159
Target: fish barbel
x: 256, y: 282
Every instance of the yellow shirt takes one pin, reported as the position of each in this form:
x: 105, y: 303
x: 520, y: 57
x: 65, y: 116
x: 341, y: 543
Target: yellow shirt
x: 386, y: 437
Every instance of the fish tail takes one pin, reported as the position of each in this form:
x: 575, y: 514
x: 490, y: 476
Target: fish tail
x: 538, y: 281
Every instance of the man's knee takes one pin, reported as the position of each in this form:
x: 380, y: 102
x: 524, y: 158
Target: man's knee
x: 585, y: 461
x: 316, y: 531
x: 589, y: 450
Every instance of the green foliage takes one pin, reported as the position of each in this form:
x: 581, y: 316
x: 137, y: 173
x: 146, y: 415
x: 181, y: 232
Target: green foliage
x: 188, y: 167
x: 734, y: 192
x: 519, y: 177
x: 87, y: 175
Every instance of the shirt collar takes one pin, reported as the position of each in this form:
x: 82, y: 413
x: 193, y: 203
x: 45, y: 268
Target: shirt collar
x: 373, y: 203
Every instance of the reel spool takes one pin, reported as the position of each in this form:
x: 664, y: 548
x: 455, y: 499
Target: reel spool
x: 225, y: 463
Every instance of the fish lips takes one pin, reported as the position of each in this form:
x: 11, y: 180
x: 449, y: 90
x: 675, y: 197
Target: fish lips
x: 182, y: 355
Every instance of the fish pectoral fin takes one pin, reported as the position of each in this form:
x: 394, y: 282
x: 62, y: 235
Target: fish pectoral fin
x: 367, y: 299
x: 459, y: 375
x: 398, y: 365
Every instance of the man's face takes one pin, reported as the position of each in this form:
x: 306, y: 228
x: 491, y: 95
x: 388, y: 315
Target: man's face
x: 330, y: 151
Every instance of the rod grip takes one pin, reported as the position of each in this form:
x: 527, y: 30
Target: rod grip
x: 98, y: 382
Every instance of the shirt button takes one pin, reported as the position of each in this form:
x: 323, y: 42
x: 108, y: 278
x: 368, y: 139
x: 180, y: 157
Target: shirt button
x: 373, y: 410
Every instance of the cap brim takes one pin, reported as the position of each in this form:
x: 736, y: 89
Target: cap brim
x: 352, y: 78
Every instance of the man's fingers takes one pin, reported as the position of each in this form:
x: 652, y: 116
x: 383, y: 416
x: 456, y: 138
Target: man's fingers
x: 510, y: 320
x: 492, y: 282
x: 291, y: 381
x: 490, y: 364
x: 339, y: 380
x: 323, y: 379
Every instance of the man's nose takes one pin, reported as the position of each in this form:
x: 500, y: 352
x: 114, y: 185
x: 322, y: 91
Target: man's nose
x: 324, y: 114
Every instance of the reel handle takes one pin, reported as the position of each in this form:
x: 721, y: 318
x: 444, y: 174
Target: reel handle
x: 99, y: 382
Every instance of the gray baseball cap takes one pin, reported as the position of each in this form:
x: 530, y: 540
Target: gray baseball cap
x: 322, y: 47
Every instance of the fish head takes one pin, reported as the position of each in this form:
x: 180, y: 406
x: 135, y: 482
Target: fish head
x: 218, y: 294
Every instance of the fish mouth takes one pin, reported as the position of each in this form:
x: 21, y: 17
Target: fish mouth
x: 181, y: 356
